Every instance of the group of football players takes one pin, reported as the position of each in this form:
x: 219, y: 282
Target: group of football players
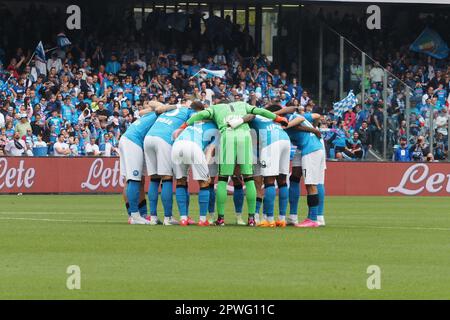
x: 252, y: 147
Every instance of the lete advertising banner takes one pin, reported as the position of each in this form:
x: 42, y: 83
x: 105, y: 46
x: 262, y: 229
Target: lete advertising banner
x: 102, y: 175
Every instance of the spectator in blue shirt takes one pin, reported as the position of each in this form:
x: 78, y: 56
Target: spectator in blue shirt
x: 193, y: 68
x: 55, y: 121
x: 295, y: 89
x: 402, y: 153
x: 113, y: 66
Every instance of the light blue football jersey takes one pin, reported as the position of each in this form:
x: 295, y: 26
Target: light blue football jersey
x: 168, y: 122
x: 267, y: 131
x: 202, y: 133
x: 137, y: 130
x: 306, y: 142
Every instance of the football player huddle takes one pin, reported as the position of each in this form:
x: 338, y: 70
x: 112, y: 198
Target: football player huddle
x: 256, y: 149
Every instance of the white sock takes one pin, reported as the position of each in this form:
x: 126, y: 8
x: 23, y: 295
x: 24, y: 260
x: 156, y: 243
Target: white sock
x: 257, y: 216
x: 282, y: 218
x: 135, y: 215
x: 202, y: 218
x: 293, y: 217
x: 270, y: 219
x: 183, y: 217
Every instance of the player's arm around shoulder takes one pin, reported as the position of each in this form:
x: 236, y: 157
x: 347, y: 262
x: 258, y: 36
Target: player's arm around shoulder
x: 199, y: 116
x: 267, y: 114
x: 286, y: 110
x: 315, y: 116
x: 206, y: 114
x: 148, y: 107
x: 296, y: 123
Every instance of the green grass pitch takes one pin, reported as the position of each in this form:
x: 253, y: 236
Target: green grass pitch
x: 408, y: 238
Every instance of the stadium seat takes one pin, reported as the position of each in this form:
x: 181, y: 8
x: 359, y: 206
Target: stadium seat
x: 332, y: 153
x: 40, y: 151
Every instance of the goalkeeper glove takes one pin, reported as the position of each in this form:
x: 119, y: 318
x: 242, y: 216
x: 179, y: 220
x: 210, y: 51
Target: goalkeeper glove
x: 281, y: 120
x: 235, y: 122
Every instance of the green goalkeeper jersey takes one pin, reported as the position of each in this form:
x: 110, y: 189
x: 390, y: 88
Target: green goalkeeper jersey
x: 223, y: 112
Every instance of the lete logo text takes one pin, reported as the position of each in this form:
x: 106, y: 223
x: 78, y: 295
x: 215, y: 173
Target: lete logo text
x: 16, y: 176
x: 101, y: 177
x: 418, y: 179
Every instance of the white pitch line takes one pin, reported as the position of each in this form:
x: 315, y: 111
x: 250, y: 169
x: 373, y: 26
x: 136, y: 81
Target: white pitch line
x: 394, y: 228
x: 49, y: 213
x: 58, y: 220
x: 331, y: 226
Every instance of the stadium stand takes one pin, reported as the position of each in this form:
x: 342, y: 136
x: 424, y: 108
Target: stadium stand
x: 92, y: 90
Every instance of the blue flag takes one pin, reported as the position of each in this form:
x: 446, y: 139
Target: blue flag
x: 345, y: 104
x: 429, y: 42
x: 62, y: 41
x: 39, y: 52
x: 213, y: 73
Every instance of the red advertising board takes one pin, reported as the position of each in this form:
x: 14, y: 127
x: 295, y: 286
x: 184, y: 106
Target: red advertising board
x: 102, y: 175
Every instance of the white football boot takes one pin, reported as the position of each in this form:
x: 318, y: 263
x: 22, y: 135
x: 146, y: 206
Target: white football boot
x: 170, y: 221
x: 292, y: 220
x: 321, y: 221
x: 135, y: 218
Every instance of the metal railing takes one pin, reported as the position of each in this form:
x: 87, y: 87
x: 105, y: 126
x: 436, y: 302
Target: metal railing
x: 393, y: 107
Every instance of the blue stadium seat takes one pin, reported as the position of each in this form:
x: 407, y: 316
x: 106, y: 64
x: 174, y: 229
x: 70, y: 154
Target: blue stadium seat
x: 40, y: 151
x: 332, y: 153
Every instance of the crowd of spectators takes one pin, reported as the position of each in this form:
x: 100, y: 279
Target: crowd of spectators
x: 84, y: 97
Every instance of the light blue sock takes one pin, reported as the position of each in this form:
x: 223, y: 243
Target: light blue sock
x: 153, y: 191
x: 321, y: 189
x: 181, y: 196
x: 167, y: 197
x: 294, y: 195
x: 238, y: 199
x: 203, y: 201
x: 212, y: 199
x: 270, y: 194
x: 259, y: 202
x: 143, y: 208
x: 283, y: 198
x: 133, y: 188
